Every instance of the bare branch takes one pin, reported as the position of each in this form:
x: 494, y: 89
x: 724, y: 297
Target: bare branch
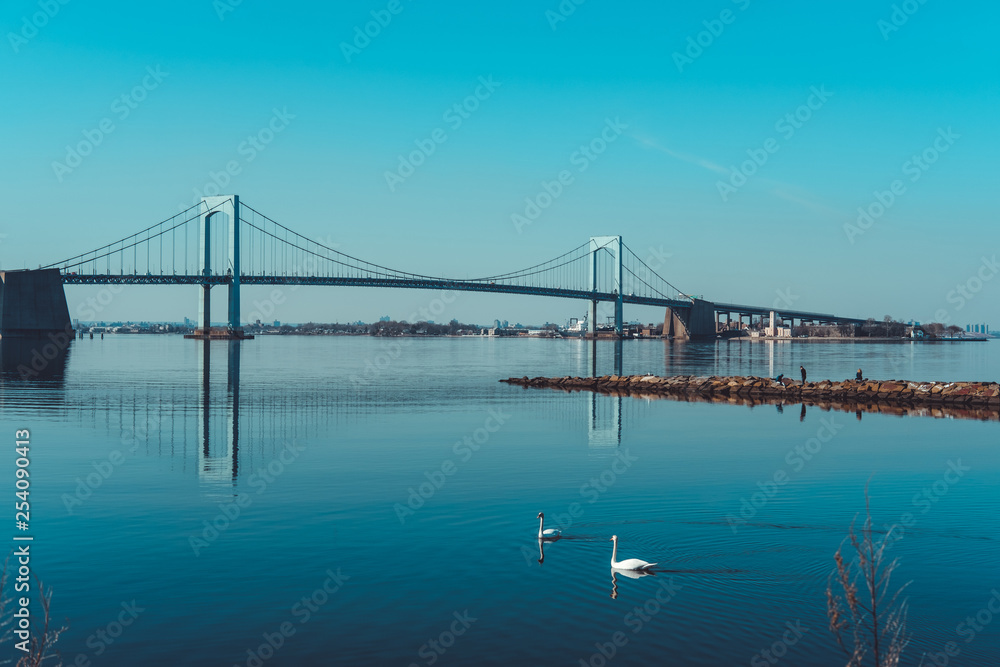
x: 873, y: 623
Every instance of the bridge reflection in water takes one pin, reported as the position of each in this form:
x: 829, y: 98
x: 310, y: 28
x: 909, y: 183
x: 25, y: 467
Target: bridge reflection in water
x: 604, y: 428
x: 218, y: 459
x: 272, y: 418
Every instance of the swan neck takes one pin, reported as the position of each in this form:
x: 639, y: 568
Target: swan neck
x: 614, y: 551
x: 541, y: 525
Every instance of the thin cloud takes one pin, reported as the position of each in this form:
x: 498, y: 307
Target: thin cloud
x: 796, y: 195
x: 684, y: 157
x: 779, y: 189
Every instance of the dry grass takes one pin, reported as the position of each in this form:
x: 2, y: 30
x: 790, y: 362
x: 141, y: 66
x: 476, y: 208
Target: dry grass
x: 41, y: 649
x: 866, y: 615
x: 41, y: 645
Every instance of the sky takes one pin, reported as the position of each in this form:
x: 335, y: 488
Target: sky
x: 830, y: 157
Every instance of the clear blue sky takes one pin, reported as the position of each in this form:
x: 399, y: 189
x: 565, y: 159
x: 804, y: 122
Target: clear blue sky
x: 887, y: 94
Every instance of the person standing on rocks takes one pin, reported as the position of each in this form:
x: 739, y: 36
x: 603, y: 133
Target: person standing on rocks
x: 803, y: 369
x: 859, y: 377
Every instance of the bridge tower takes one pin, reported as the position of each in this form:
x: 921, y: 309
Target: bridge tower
x: 612, y: 244
x: 230, y: 206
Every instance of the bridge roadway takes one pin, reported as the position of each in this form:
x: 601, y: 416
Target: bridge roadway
x: 446, y: 285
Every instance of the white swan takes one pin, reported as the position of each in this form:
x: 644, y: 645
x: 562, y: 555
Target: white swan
x: 629, y: 563
x: 546, y: 534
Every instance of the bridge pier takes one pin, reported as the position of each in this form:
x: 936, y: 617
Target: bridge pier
x: 210, y: 206
x: 35, y: 328
x: 612, y: 244
x: 33, y: 304
x: 698, y: 322
x: 205, y: 300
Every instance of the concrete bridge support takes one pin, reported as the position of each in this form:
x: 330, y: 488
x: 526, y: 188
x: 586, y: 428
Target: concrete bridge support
x: 696, y: 322
x: 35, y: 328
x: 33, y: 304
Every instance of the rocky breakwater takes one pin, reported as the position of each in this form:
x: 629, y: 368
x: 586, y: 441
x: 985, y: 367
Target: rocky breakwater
x: 977, y: 400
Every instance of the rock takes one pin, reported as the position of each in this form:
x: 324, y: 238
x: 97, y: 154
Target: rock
x: 889, y: 396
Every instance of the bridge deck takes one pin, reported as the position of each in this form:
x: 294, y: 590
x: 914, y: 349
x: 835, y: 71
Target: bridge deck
x: 446, y: 285
x: 785, y: 313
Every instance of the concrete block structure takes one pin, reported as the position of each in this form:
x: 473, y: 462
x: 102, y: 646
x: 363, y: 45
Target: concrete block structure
x: 698, y: 322
x: 33, y: 304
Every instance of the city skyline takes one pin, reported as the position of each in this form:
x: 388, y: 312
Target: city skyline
x: 826, y: 161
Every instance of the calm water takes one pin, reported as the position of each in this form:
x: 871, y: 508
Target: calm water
x: 365, y: 501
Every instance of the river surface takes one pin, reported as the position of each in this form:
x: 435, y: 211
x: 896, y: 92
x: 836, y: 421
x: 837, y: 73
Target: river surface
x: 340, y: 500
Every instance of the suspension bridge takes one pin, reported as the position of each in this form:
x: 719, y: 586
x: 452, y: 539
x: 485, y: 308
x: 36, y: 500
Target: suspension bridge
x: 223, y: 241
